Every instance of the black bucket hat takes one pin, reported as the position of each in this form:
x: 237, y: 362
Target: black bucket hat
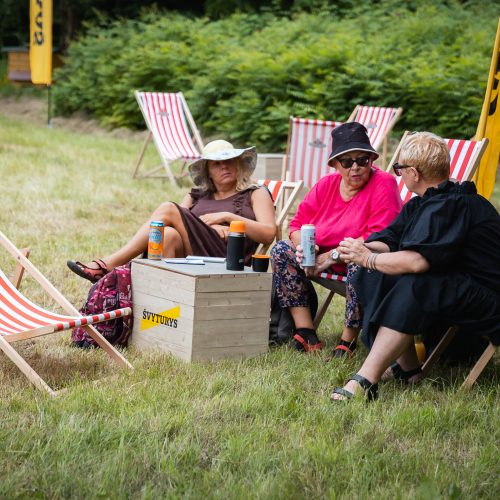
x: 350, y: 136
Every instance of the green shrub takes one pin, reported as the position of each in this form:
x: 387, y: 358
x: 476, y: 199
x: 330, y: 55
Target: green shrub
x: 244, y: 75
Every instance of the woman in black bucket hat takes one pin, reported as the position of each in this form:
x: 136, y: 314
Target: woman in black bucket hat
x: 354, y: 201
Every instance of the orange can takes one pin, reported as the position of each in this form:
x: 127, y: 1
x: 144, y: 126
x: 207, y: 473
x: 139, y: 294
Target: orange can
x: 155, y: 243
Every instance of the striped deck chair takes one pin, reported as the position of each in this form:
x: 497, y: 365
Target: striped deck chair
x: 21, y: 319
x: 167, y: 117
x: 379, y: 122
x: 309, y: 145
x: 284, y: 195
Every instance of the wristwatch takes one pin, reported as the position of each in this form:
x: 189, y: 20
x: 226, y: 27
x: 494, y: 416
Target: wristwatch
x: 334, y: 254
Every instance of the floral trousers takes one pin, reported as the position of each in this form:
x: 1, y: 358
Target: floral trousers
x: 290, y: 280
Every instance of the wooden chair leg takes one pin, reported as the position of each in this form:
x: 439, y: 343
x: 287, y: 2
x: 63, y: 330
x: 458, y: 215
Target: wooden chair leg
x: 439, y: 349
x: 141, y: 154
x: 479, y: 366
x: 322, y: 309
x: 30, y: 374
x: 19, y: 270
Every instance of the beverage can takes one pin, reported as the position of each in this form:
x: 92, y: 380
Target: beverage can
x: 308, y: 243
x: 155, y: 243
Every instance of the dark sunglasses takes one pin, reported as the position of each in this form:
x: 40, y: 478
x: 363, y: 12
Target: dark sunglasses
x: 398, y: 168
x: 362, y: 161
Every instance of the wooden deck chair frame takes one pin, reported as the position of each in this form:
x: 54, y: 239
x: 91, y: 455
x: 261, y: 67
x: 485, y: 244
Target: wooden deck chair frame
x: 165, y: 165
x: 287, y: 194
x: 390, y: 126
x: 23, y: 264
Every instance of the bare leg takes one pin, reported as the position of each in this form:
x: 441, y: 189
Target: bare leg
x: 349, y: 334
x: 302, y: 317
x: 407, y: 361
x: 389, y: 345
x: 172, y: 244
x: 166, y: 212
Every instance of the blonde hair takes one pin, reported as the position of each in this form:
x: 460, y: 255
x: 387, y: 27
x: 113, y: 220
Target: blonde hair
x: 243, y: 181
x: 428, y: 153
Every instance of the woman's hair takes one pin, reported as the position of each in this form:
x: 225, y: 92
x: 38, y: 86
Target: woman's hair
x: 242, y: 181
x: 428, y: 153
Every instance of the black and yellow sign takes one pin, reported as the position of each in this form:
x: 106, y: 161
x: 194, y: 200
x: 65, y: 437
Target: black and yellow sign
x: 41, y: 41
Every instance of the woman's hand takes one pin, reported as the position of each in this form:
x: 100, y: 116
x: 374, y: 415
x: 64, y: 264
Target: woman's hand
x: 353, y: 251
x: 222, y: 231
x: 323, y: 261
x: 216, y: 218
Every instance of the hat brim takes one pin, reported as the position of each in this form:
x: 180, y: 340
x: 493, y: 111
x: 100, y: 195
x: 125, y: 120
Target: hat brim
x: 198, y: 172
x: 352, y: 146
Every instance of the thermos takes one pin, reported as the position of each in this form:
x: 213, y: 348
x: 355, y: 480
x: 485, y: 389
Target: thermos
x: 308, y: 244
x: 236, y: 246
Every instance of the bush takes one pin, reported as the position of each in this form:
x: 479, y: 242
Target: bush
x: 244, y: 75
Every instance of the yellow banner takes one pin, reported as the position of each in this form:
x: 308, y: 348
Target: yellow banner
x: 489, y: 125
x: 41, y: 41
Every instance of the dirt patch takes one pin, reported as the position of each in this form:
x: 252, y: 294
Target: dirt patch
x: 34, y: 110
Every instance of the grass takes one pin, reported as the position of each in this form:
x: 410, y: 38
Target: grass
x: 259, y: 428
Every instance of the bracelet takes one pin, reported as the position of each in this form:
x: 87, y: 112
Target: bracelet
x: 370, y: 262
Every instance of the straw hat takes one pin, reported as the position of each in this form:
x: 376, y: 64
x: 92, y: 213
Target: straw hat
x: 222, y: 150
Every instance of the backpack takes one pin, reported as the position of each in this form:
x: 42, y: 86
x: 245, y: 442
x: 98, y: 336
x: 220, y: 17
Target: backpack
x: 112, y: 291
x: 281, y: 324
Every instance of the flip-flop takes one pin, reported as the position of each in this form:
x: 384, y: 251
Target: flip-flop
x: 89, y: 273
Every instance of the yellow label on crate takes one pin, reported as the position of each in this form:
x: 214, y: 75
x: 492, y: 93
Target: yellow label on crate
x: 165, y: 318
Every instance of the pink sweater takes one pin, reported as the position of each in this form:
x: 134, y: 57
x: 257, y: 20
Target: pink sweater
x: 370, y: 210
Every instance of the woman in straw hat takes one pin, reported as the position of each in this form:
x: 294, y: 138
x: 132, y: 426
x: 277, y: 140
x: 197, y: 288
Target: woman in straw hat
x: 199, y: 224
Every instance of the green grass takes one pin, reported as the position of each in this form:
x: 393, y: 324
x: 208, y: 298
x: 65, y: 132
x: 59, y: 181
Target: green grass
x: 259, y: 428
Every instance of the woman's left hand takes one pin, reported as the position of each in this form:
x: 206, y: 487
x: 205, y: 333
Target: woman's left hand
x: 215, y: 218
x: 353, y: 251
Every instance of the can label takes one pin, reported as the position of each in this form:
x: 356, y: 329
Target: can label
x: 308, y: 243
x: 155, y: 243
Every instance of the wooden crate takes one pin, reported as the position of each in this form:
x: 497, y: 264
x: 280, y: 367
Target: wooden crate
x: 200, y: 313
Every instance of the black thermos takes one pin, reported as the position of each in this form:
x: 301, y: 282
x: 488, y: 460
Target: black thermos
x: 235, y: 259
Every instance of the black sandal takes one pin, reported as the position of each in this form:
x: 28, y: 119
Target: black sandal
x: 344, y: 348
x: 404, y: 375
x: 371, y: 390
x: 89, y: 273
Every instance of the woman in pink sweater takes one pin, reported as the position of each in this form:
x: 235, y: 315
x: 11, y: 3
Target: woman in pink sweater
x: 355, y: 201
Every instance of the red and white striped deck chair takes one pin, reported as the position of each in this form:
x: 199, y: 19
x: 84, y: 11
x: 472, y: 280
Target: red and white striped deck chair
x: 379, y: 122
x: 167, y: 117
x: 284, y: 194
x: 21, y: 319
x: 309, y: 145
x: 465, y: 157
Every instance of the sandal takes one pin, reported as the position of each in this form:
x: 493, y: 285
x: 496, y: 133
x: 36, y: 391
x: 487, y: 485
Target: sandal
x: 397, y: 373
x: 89, y: 273
x: 301, y: 345
x: 371, y: 390
x: 345, y: 348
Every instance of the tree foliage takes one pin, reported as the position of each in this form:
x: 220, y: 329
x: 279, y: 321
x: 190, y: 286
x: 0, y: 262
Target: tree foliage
x: 245, y: 74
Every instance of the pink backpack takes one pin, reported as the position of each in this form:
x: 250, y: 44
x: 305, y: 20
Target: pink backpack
x: 111, y: 292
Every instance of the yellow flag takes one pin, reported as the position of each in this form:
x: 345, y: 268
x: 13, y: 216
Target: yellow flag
x: 41, y: 41
x: 489, y: 125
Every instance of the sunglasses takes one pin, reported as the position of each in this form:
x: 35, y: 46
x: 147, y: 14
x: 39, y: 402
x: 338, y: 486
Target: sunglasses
x: 362, y: 161
x: 398, y: 168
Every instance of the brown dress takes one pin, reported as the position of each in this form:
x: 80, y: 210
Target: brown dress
x: 203, y: 239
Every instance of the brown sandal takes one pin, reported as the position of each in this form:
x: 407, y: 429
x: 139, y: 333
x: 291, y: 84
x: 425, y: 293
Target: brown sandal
x: 89, y: 273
